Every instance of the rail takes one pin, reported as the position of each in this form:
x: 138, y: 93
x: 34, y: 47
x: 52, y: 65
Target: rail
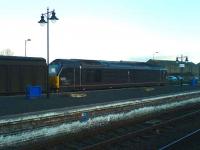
x: 139, y: 132
x: 179, y: 140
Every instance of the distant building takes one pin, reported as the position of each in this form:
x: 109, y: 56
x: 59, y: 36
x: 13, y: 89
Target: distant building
x: 173, y: 68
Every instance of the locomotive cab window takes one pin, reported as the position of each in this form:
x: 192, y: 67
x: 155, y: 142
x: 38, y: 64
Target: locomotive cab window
x: 53, y: 70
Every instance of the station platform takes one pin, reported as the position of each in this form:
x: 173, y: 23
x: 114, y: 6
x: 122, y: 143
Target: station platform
x: 12, y: 105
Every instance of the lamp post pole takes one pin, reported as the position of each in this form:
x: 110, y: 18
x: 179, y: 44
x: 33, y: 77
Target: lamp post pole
x: 47, y: 52
x: 42, y: 21
x: 25, y: 44
x: 48, y: 37
x: 80, y: 76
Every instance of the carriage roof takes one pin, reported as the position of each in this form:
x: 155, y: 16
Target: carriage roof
x: 106, y: 64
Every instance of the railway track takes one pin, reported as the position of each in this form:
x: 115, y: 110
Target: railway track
x: 186, y: 141
x: 154, y: 132
x: 139, y: 138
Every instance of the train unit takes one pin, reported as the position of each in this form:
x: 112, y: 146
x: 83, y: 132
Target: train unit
x: 77, y: 74
x: 19, y: 72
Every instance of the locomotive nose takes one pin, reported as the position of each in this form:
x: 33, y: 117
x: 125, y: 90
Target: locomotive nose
x: 54, y: 82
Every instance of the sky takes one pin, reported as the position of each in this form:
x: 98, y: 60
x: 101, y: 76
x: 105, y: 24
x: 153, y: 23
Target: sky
x: 131, y: 30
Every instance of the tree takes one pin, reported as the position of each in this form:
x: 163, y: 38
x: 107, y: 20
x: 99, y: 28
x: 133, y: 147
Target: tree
x: 7, y: 52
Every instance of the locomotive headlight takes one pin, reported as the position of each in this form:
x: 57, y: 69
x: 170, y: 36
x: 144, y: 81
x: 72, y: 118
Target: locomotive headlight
x: 62, y: 79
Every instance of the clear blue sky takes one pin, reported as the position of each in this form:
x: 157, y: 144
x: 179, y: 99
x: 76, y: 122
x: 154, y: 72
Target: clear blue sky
x: 104, y: 29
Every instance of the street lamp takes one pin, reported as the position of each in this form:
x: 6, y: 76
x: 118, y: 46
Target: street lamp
x: 154, y: 54
x: 181, y: 61
x: 43, y: 21
x: 27, y: 40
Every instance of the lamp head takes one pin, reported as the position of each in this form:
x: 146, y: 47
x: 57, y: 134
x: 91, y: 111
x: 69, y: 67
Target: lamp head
x: 53, y: 16
x: 176, y: 59
x: 186, y: 59
x: 42, y: 20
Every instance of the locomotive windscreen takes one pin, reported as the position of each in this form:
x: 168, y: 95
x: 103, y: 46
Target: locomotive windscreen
x: 54, y: 69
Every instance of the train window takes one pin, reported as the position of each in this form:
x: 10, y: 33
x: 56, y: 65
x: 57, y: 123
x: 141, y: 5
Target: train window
x: 53, y: 69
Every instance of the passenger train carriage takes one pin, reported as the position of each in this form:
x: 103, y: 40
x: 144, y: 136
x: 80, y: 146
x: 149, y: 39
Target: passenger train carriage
x: 76, y: 74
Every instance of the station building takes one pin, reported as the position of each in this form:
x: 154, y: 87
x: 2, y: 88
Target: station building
x: 190, y: 69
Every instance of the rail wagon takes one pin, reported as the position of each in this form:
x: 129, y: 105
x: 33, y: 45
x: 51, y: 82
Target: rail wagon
x: 77, y: 74
x: 19, y: 72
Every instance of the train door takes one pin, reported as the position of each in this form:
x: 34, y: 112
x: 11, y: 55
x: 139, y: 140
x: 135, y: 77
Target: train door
x: 74, y: 78
x: 131, y: 76
x: 128, y: 74
x: 98, y: 76
x: 14, y: 79
x: 3, y: 79
x: 89, y: 76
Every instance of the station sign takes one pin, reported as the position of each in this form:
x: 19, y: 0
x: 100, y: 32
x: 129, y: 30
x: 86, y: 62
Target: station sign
x: 181, y: 65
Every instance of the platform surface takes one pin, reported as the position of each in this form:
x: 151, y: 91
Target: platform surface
x: 11, y: 105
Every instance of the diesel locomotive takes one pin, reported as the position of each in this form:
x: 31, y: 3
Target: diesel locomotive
x: 78, y: 74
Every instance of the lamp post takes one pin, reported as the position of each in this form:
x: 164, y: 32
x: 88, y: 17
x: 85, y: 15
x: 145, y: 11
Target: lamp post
x: 181, y: 62
x: 43, y: 21
x: 154, y: 54
x: 80, y: 76
x: 27, y: 40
